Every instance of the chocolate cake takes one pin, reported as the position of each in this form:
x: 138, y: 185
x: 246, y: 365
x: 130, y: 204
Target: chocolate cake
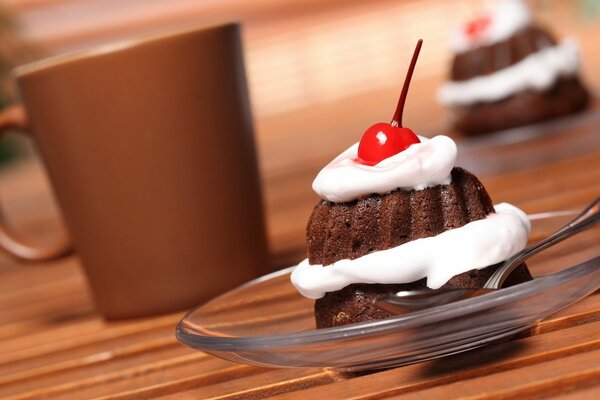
x: 508, y: 72
x: 397, y: 215
x: 353, y: 229
x: 566, y: 96
x: 484, y: 60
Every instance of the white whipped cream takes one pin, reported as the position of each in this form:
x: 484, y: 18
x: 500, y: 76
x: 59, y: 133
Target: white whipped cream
x: 506, y: 18
x: 420, y: 166
x: 475, y: 245
x: 538, y: 71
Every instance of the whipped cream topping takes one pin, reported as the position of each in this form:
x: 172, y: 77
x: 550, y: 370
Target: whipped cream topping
x: 475, y: 245
x: 420, y: 166
x: 506, y: 18
x: 538, y: 71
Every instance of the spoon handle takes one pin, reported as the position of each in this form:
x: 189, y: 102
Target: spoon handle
x: 585, y: 219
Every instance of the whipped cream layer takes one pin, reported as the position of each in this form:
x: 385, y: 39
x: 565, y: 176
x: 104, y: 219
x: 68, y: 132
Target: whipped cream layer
x: 420, y: 166
x: 506, y: 18
x: 538, y: 71
x: 475, y: 245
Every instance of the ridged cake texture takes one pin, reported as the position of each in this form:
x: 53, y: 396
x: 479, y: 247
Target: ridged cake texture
x: 353, y: 229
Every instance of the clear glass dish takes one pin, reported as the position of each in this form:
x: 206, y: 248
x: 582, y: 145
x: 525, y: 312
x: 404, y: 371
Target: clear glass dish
x: 266, y: 322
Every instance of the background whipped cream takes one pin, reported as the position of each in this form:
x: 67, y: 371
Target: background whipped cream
x: 506, y: 18
x: 538, y: 71
x: 420, y: 166
x: 475, y: 245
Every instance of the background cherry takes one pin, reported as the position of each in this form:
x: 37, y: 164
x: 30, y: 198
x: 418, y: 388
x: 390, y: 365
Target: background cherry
x: 383, y: 140
x: 476, y: 28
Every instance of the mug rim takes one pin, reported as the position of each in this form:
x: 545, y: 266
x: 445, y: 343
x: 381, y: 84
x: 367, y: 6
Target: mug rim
x: 114, y: 47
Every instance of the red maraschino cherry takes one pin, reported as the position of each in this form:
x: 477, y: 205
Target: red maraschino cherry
x: 383, y: 140
x: 477, y: 28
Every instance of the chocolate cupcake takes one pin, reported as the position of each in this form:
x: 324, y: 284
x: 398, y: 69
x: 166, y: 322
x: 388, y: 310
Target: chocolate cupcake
x: 509, y: 72
x: 351, y: 230
x: 397, y: 215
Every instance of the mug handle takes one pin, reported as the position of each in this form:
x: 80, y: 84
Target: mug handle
x: 15, y: 117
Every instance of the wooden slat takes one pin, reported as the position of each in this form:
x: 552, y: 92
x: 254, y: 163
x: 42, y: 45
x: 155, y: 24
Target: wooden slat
x: 211, y: 370
x: 578, y: 393
x: 265, y: 385
x: 550, y: 378
x: 71, y: 374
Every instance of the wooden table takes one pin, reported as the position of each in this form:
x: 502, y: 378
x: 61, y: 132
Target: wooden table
x: 53, y: 344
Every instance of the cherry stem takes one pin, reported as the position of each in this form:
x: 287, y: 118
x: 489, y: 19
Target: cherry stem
x: 397, y: 119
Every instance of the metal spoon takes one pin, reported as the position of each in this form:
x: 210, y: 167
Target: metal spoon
x: 412, y: 300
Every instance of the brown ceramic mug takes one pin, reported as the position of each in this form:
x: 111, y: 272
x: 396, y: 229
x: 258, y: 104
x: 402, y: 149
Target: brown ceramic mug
x: 149, y: 148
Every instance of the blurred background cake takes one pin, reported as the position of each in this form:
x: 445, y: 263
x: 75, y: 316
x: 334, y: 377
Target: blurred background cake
x: 509, y: 72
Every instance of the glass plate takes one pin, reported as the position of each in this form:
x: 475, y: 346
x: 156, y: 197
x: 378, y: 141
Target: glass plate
x: 266, y: 322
